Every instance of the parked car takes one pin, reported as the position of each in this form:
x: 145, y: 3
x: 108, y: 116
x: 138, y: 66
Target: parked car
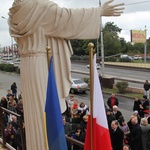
x: 136, y: 57
x: 78, y: 86
x: 97, y: 66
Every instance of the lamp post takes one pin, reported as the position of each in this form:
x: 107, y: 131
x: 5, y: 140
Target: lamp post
x: 102, y: 43
x: 11, y: 38
x: 145, y: 47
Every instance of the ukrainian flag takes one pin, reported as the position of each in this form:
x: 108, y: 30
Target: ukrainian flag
x: 53, y: 120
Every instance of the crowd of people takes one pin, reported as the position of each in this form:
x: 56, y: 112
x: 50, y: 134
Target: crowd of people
x: 132, y: 134
x: 12, y: 127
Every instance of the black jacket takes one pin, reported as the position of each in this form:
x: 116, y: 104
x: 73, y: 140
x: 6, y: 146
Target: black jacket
x: 136, y: 105
x: 117, y: 139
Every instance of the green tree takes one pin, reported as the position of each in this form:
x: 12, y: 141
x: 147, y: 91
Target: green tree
x: 148, y: 46
x: 112, y: 43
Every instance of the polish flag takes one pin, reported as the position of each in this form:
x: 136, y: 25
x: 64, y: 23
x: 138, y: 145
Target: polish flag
x: 101, y: 136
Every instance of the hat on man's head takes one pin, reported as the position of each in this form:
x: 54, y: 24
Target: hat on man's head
x: 108, y: 110
x: 145, y: 96
x: 135, y: 112
x: 146, y: 111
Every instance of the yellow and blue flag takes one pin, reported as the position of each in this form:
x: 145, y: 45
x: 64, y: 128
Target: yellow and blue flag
x: 54, y: 126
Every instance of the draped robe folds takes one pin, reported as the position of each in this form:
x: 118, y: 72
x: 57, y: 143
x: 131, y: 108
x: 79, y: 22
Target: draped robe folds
x: 36, y: 24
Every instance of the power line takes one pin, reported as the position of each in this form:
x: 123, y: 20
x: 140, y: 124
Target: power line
x: 137, y: 3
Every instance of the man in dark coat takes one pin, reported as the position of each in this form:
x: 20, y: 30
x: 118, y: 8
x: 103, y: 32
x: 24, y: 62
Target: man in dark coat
x: 67, y: 129
x: 116, y: 112
x: 146, y: 87
x: 117, y: 136
x: 136, y: 135
x: 112, y: 101
x: 14, y: 89
x: 144, y: 106
x: 110, y: 117
x: 137, y: 104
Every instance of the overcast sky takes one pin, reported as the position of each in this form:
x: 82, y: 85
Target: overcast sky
x: 136, y: 16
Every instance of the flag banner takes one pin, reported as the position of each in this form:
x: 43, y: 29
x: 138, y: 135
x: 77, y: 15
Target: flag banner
x: 138, y: 36
x: 101, y: 136
x: 53, y: 118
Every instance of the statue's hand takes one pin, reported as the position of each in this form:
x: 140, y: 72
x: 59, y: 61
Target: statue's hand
x: 111, y: 10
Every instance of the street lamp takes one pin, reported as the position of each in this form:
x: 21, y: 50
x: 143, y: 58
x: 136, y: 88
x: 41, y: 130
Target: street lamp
x: 11, y: 38
x: 102, y: 43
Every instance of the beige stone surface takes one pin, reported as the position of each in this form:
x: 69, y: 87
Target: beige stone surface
x: 2, y: 148
x: 138, y: 65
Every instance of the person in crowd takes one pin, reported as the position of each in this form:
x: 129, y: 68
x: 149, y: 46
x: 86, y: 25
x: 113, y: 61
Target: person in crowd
x: 124, y: 127
x: 14, y: 122
x: 110, y: 117
x: 83, y: 135
x: 84, y: 121
x: 77, y: 135
x: 5, y: 119
x: 19, y: 108
x: 11, y: 99
x: 67, y: 129
x: 8, y: 94
x: 112, y: 101
x: 74, y: 109
x: 116, y: 112
x: 11, y: 107
x: 20, y: 95
x: 145, y: 127
x: 136, y: 135
x: 17, y: 140
x: 10, y: 134
x: 137, y: 103
x: 146, y: 87
x: 15, y: 98
x: 117, y: 136
x: 82, y: 109
x: 70, y: 102
x: 4, y: 102
x: 126, y: 147
x: 145, y: 105
x: 136, y: 114
x: 14, y: 89
x: 130, y: 125
x: 146, y: 115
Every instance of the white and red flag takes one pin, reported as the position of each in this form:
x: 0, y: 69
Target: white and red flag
x: 101, y: 137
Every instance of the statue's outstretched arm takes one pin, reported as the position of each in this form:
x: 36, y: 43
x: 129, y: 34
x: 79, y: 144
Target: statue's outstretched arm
x: 111, y: 10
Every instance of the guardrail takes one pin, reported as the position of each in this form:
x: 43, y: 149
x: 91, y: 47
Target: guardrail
x: 3, y: 140
x: 3, y: 132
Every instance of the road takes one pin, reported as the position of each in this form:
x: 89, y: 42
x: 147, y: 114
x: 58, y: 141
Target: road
x: 6, y: 79
x: 116, y: 72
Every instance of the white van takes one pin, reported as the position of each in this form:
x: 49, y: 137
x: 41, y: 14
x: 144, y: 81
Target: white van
x: 124, y: 56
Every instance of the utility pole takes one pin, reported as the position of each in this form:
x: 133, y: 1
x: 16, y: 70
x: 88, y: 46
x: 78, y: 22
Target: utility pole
x: 102, y: 43
x: 145, y: 47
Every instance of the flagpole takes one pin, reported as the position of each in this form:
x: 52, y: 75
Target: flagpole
x: 91, y: 46
x: 49, y: 53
